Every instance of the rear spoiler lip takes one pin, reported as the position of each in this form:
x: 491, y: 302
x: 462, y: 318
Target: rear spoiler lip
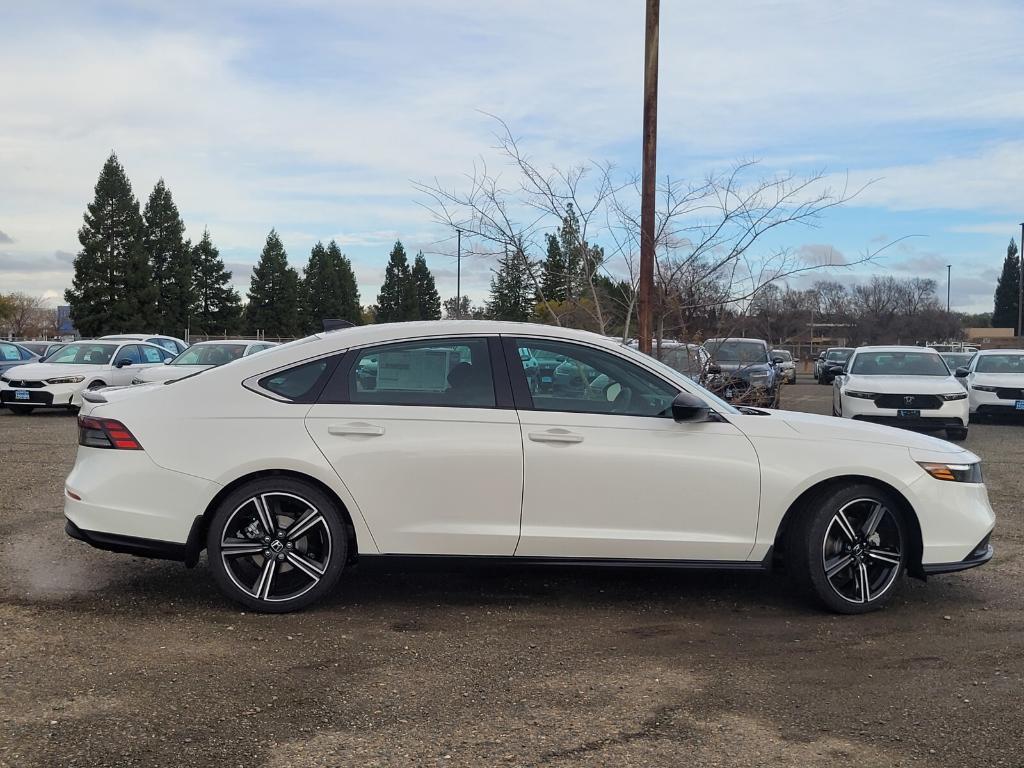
x: 94, y: 396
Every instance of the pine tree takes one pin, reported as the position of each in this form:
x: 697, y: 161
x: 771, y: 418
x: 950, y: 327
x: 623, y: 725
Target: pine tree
x: 571, y: 245
x: 321, y: 291
x: 553, y: 271
x: 274, y: 293
x: 1004, y: 315
x: 218, y: 308
x: 428, y: 300
x: 348, y: 303
x: 112, y: 290
x: 511, y: 291
x: 396, y: 302
x: 170, y: 259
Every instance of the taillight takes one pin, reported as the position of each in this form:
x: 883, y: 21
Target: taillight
x: 106, y: 433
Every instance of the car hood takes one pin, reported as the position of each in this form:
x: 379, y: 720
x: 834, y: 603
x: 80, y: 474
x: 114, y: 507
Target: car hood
x: 831, y: 428
x: 160, y: 373
x: 1008, y: 380
x: 898, y: 385
x: 40, y: 371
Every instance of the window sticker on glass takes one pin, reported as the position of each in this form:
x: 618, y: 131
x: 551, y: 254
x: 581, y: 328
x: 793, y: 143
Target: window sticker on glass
x: 414, y: 369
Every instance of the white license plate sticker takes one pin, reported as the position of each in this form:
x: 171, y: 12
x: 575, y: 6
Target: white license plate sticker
x: 21, y: 394
x: 1019, y: 405
x: 908, y: 413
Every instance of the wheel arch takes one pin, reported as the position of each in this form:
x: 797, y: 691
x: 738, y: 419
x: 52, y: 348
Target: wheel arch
x: 197, y: 535
x: 823, y: 486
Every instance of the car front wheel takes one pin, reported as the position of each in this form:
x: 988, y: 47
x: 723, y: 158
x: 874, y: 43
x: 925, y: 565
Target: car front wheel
x: 277, y: 545
x: 848, y: 549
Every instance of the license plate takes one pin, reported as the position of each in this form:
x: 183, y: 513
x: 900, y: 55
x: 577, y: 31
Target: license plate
x: 545, y: 379
x: 1019, y: 405
x: 908, y: 414
x: 21, y: 394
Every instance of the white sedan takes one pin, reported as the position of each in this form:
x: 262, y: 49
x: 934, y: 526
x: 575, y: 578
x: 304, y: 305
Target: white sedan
x: 995, y: 381
x: 199, y: 357
x: 901, y: 386
x: 83, y: 365
x: 287, y: 465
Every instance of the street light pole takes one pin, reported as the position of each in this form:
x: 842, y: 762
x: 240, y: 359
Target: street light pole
x: 649, y: 171
x: 949, y: 277
x: 458, y: 277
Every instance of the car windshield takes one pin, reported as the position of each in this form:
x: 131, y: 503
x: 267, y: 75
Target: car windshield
x: 83, y: 354
x: 956, y: 359
x: 839, y: 355
x: 899, y: 364
x: 1008, y: 363
x: 737, y: 351
x: 209, y: 354
x: 786, y: 356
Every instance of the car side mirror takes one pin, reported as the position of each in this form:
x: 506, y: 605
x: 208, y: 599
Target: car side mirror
x: 689, y: 407
x: 124, y: 361
x: 168, y: 361
x: 778, y: 360
x: 962, y: 373
x: 714, y: 369
x: 837, y: 370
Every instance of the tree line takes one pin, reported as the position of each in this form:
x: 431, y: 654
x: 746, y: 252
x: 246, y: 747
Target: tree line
x: 136, y: 271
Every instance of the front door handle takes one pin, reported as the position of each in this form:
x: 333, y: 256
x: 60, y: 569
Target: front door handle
x: 356, y: 428
x: 555, y: 436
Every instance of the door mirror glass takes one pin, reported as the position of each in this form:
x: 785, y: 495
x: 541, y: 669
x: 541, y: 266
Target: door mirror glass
x: 836, y: 370
x: 963, y: 373
x: 689, y: 407
x: 124, y: 361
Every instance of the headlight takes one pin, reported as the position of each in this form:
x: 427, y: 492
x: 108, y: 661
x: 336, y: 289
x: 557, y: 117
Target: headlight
x: 954, y: 396
x: 66, y: 380
x: 5, y: 380
x: 957, y: 473
x: 861, y: 395
x: 984, y: 388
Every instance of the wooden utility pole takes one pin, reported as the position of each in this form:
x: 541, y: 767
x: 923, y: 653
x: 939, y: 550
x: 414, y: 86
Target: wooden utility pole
x: 646, y: 287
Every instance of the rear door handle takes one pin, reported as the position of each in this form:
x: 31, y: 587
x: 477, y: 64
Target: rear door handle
x: 356, y: 428
x: 555, y: 436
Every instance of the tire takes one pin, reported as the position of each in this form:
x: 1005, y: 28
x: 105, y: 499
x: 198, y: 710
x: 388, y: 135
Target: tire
x: 819, y: 536
x: 956, y: 433
x: 96, y: 384
x: 19, y: 410
x: 308, y: 565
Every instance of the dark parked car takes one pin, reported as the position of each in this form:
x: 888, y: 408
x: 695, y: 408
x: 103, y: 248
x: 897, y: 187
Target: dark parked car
x: 743, y: 371
x: 42, y: 348
x: 833, y: 356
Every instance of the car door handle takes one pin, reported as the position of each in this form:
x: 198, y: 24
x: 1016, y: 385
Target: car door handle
x: 555, y: 436
x: 356, y: 428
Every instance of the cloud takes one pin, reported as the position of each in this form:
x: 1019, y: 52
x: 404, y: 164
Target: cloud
x: 820, y: 255
x: 5, y: 238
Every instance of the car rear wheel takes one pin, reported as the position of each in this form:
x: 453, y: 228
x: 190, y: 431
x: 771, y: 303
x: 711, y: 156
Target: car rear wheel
x: 277, y: 545
x: 848, y: 548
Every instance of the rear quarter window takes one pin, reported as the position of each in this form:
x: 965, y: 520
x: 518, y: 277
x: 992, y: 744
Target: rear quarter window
x: 301, y: 383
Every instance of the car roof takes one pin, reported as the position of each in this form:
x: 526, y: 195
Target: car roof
x: 897, y: 348
x: 736, y: 338
x: 986, y: 352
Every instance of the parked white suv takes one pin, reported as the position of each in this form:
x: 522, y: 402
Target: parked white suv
x: 288, y: 464
x: 995, y: 381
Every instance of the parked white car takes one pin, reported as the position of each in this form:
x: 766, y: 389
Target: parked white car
x: 787, y: 368
x: 995, y: 381
x: 60, y: 381
x: 901, y: 386
x: 288, y: 464
x: 170, y: 343
x: 199, y: 357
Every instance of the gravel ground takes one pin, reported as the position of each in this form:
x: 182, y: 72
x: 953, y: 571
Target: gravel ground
x: 107, y: 660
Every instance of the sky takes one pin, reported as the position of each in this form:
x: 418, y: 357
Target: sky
x: 315, y: 117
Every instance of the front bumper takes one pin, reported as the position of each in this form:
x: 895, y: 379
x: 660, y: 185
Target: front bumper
x: 980, y: 555
x: 47, y: 396
x: 951, y: 414
x: 990, y: 402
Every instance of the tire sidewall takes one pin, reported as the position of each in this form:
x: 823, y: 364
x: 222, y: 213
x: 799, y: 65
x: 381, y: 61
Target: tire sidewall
x: 319, y: 499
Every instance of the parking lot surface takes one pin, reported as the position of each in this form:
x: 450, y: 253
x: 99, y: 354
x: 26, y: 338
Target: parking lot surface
x: 111, y: 660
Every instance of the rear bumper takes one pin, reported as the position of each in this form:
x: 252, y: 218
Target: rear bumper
x: 129, y: 545
x: 980, y: 555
